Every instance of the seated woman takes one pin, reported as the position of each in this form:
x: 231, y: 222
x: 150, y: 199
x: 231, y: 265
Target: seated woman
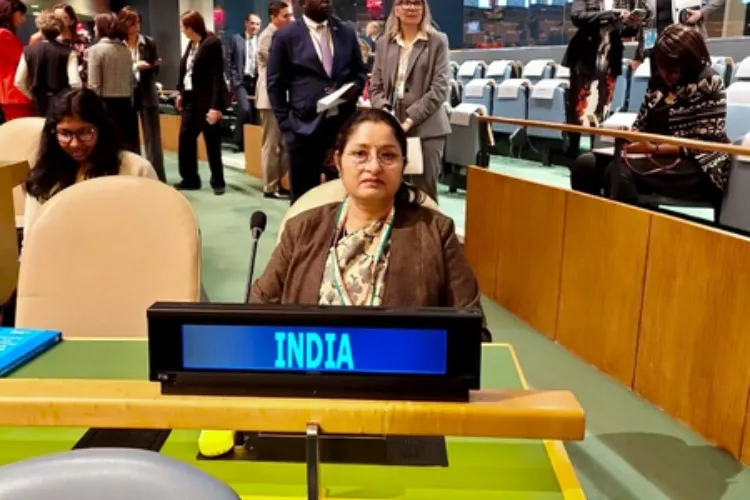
x: 78, y: 143
x: 685, y: 99
x: 378, y: 247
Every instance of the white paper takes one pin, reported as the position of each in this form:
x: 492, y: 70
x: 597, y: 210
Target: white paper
x: 545, y: 89
x: 333, y: 100
x: 414, y: 161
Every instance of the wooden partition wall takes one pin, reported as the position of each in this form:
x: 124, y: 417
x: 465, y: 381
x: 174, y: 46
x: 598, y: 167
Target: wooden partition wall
x: 659, y: 303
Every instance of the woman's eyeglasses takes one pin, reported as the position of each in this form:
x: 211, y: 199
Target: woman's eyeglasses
x: 386, y: 159
x: 411, y: 4
x: 84, y: 135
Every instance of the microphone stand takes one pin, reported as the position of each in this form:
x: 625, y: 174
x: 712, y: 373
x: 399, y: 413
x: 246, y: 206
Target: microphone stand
x: 253, y: 254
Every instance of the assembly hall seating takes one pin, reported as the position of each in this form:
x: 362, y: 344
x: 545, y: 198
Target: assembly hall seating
x: 140, y: 233
x: 114, y: 473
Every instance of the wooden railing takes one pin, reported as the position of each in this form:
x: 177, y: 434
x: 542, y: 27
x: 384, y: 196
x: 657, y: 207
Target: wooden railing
x: 624, y: 135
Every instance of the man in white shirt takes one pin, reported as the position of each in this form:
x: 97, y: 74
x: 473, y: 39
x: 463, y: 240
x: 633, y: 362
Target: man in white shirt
x: 275, y: 162
x: 243, y: 74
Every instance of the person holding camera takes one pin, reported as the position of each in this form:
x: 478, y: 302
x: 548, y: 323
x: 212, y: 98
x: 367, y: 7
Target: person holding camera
x: 595, y: 54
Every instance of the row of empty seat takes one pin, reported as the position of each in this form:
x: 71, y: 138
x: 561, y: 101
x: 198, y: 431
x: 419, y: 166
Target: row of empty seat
x: 538, y: 91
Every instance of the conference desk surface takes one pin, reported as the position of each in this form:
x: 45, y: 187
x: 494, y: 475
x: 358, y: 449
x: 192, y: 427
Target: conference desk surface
x: 479, y: 468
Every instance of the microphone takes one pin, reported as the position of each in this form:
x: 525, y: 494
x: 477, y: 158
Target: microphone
x: 257, y: 226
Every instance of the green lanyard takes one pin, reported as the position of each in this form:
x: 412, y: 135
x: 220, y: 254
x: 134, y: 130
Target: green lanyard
x: 337, y: 276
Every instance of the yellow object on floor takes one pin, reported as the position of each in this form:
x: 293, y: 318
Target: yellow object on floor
x: 215, y: 443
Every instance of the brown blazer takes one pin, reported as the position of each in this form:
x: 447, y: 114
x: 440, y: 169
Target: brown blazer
x: 426, y: 268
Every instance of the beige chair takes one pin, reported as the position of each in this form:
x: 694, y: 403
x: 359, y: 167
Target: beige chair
x: 329, y: 192
x: 19, y: 140
x: 102, y: 251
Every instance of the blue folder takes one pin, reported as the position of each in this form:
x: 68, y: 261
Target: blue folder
x: 18, y: 346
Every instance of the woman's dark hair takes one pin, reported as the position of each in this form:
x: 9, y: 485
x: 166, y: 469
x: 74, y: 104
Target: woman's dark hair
x: 70, y: 11
x: 55, y: 170
x: 682, y: 48
x: 129, y: 16
x: 193, y: 20
x: 406, y: 193
x: 7, y: 9
x: 109, y: 26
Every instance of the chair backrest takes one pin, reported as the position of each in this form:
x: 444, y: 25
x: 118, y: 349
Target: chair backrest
x: 738, y: 110
x: 104, y: 250
x: 735, y: 211
x: 329, y: 192
x: 114, y: 474
x: 19, y: 140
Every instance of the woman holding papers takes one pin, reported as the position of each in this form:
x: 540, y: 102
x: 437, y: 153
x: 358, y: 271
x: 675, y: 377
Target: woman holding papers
x: 410, y: 78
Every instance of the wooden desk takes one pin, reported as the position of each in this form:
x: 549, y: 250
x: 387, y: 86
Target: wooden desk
x: 140, y: 405
x: 170, y: 133
x: 12, y: 174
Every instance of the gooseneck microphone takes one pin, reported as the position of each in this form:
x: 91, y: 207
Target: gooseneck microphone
x: 257, y: 226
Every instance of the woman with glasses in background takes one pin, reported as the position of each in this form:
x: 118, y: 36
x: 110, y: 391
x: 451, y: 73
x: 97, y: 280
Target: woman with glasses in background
x: 78, y: 143
x: 410, y: 78
x: 13, y: 102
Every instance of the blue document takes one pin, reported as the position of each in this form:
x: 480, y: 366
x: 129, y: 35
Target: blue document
x: 18, y: 346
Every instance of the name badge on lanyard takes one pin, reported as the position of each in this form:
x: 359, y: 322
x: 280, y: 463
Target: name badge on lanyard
x: 649, y: 38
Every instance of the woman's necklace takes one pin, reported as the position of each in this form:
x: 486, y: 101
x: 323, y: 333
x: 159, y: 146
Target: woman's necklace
x: 338, y: 278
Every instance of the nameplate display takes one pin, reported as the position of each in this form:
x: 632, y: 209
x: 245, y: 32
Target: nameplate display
x: 309, y: 349
x: 315, y: 351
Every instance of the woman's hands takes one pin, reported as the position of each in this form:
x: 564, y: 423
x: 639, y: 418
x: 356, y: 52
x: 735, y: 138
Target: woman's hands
x: 213, y: 116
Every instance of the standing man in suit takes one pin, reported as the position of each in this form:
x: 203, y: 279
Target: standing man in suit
x: 309, y: 59
x: 275, y: 161
x: 243, y: 74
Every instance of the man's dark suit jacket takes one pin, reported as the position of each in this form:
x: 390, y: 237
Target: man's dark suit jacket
x: 209, y: 88
x: 236, y: 58
x: 146, y: 85
x: 294, y: 67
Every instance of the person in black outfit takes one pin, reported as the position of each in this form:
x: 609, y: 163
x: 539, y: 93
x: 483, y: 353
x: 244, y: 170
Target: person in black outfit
x: 146, y: 63
x: 595, y: 53
x: 48, y: 67
x: 203, y: 98
x: 685, y: 99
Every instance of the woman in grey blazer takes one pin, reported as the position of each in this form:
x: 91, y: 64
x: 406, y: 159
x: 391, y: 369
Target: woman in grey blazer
x: 110, y: 68
x: 410, y: 78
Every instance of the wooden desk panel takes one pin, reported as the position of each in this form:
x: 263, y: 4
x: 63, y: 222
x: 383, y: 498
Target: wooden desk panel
x: 480, y: 239
x: 170, y: 133
x: 254, y: 154
x: 745, y: 455
x: 601, y: 290
x: 693, y: 351
x: 529, y: 232
x: 12, y: 173
x: 140, y: 405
